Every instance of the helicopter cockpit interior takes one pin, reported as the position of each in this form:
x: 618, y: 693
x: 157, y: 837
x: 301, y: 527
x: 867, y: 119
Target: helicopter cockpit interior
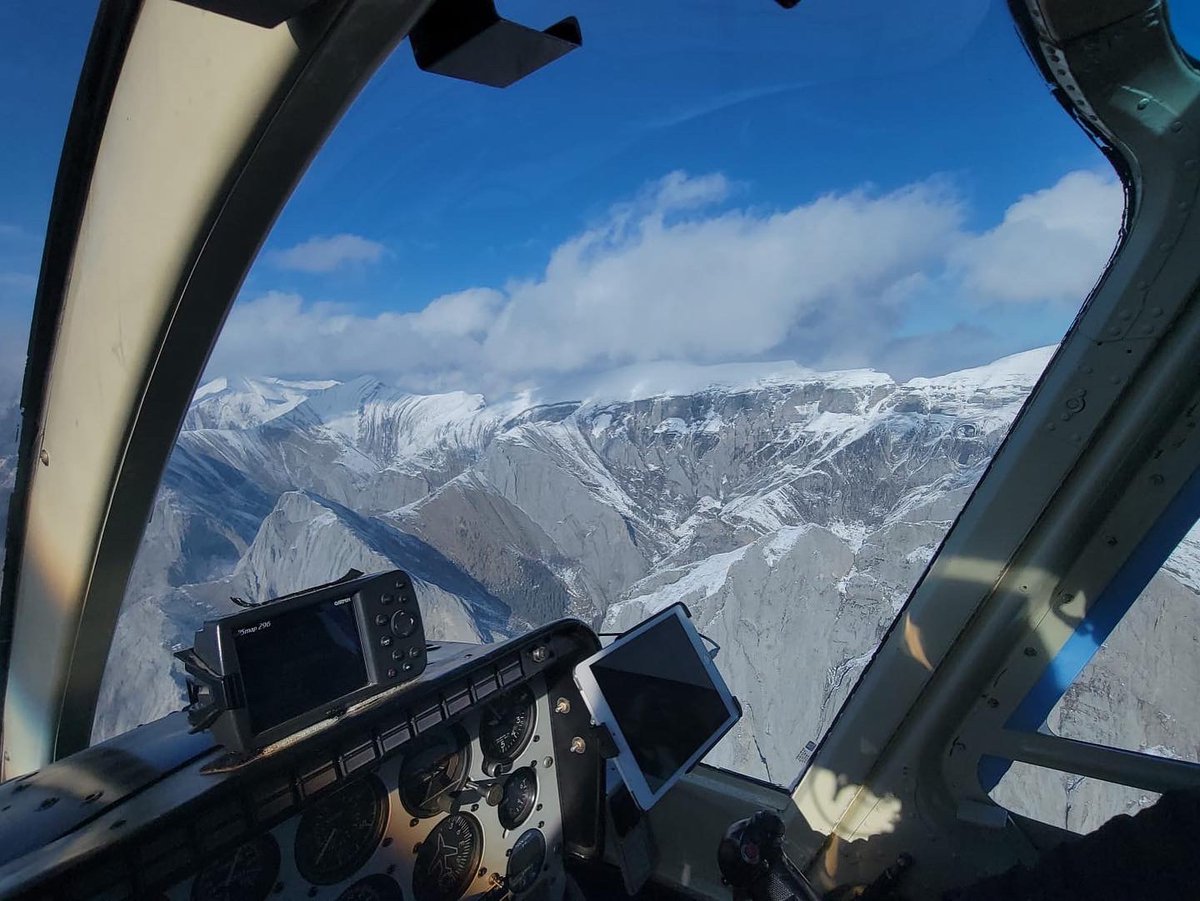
x: 340, y: 740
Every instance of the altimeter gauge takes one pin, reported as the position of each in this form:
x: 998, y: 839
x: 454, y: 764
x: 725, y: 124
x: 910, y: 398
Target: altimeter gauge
x: 507, y: 726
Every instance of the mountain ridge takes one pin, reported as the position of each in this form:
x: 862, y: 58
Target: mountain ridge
x: 578, y: 508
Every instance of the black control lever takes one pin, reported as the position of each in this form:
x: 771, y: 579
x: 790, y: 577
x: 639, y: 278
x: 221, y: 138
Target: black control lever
x: 754, y: 865
x: 491, y: 790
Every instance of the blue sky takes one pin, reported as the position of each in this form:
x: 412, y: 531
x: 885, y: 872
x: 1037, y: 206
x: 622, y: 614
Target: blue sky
x: 860, y: 182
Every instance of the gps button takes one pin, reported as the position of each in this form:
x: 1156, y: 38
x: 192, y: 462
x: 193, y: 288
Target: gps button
x: 403, y: 624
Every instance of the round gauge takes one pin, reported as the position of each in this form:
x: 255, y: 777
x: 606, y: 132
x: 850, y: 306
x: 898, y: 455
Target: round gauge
x: 525, y: 861
x: 432, y: 773
x: 373, y: 888
x: 520, y: 794
x: 340, y: 832
x: 247, y: 873
x: 448, y: 859
x: 507, y: 726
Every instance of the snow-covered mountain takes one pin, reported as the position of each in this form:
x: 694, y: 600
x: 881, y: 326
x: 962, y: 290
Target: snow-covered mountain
x: 792, y: 511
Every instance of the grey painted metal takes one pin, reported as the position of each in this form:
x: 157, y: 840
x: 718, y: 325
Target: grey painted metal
x: 61, y: 798
x: 213, y: 121
x: 1157, y: 774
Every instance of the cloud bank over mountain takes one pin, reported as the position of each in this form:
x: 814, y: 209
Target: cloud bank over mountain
x: 684, y: 275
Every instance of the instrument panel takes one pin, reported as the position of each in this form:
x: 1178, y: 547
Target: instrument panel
x: 472, y: 807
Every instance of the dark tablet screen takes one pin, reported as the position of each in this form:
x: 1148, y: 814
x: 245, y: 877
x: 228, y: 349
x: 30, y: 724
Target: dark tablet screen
x: 662, y: 697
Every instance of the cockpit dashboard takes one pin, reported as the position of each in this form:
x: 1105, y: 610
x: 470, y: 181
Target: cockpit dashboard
x: 478, y: 779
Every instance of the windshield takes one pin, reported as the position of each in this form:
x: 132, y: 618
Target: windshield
x: 728, y: 306
x: 43, y: 47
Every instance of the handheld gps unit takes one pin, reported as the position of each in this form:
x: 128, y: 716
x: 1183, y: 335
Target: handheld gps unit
x: 260, y: 675
x: 660, y: 697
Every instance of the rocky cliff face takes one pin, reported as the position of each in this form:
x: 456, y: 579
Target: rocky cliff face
x: 793, y: 514
x: 797, y: 614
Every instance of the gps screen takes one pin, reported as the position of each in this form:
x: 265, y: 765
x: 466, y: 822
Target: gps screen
x: 298, y: 660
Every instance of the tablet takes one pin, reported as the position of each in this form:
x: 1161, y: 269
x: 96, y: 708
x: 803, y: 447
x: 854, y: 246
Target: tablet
x: 660, y: 696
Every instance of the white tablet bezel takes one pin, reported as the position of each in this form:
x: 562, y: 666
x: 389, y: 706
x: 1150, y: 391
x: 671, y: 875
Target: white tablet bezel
x: 602, y: 714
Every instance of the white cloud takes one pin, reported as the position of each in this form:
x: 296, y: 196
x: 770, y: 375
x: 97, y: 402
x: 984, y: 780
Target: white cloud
x: 720, y: 287
x: 1052, y: 244
x: 678, y: 191
x: 280, y: 334
x: 675, y: 276
x: 325, y: 254
x: 468, y: 313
